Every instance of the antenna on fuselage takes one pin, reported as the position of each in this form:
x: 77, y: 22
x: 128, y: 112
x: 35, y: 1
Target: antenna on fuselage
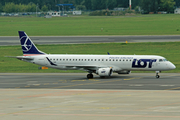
x: 108, y: 53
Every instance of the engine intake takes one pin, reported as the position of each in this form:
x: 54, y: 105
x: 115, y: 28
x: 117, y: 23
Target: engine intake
x: 105, y: 72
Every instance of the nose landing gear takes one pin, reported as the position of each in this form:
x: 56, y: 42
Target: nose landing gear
x: 157, y: 74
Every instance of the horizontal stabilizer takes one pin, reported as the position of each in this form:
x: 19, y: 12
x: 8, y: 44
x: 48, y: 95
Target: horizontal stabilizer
x: 21, y: 57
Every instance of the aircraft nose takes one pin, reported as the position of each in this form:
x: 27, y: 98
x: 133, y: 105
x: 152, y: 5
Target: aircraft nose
x: 172, y: 66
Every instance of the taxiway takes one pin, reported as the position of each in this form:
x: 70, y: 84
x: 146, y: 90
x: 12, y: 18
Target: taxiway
x: 67, y: 96
x: 14, y: 40
x: 133, y: 81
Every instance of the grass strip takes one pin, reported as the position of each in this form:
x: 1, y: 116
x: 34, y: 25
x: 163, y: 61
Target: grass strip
x: 165, y: 24
x: 169, y: 50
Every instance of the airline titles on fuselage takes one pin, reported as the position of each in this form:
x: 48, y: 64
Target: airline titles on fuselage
x: 121, y: 58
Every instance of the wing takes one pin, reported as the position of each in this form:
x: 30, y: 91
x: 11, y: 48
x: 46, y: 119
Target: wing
x: 89, y: 67
x: 83, y: 67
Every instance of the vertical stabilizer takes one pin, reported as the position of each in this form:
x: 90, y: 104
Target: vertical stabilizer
x: 28, y: 46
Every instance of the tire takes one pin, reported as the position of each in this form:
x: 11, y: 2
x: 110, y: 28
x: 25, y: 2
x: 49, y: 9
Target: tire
x: 89, y: 76
x: 157, y: 76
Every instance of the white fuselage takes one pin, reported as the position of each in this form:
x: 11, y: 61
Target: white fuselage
x: 93, y: 62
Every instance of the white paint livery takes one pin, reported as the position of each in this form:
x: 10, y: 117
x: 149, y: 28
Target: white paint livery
x: 102, y: 65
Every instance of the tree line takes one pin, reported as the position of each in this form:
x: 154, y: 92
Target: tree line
x: 45, y: 5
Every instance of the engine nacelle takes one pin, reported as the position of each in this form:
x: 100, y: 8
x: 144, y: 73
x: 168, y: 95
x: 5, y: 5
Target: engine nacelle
x: 124, y: 72
x: 105, y: 72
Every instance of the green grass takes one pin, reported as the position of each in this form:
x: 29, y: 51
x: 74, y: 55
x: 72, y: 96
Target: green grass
x: 169, y: 50
x: 167, y: 24
x: 89, y: 25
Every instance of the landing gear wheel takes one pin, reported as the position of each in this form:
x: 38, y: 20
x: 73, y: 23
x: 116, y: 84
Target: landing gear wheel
x: 89, y: 76
x: 157, y: 76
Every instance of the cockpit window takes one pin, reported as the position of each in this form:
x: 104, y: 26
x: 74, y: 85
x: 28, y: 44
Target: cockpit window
x: 165, y: 60
x: 160, y: 60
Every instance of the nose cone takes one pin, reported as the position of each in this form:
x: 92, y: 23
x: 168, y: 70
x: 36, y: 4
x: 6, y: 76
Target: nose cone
x: 172, y: 66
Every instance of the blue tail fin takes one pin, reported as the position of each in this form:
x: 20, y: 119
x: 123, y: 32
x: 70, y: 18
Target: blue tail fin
x: 28, y: 46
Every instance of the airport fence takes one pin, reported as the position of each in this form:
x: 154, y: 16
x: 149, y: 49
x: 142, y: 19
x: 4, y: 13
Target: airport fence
x: 69, y: 13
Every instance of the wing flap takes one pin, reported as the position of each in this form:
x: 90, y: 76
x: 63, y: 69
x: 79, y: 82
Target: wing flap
x: 87, y: 67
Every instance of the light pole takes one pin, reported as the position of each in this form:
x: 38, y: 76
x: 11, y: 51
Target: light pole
x: 130, y: 4
x: 36, y: 9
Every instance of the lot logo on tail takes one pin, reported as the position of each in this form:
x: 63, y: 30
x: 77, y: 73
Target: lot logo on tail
x: 26, y: 44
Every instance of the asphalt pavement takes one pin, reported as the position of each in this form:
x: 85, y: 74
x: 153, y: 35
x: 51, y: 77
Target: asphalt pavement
x: 14, y: 40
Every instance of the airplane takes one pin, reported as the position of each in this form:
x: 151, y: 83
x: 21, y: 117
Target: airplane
x: 102, y: 65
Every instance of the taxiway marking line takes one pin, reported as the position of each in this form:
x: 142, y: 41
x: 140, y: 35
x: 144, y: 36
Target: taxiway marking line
x: 91, y: 83
x: 63, y: 81
x: 132, y: 78
x: 85, y: 84
x: 173, y: 88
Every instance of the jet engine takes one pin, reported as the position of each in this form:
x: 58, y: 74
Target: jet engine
x: 105, y: 72
x: 124, y: 72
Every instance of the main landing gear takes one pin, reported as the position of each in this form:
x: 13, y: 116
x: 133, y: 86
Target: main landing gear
x: 89, y: 76
x: 157, y: 74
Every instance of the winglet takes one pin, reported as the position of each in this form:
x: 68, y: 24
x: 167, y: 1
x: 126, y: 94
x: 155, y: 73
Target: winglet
x: 28, y: 46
